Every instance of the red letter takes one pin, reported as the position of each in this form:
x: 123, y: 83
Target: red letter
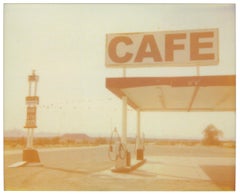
x: 112, y: 49
x: 170, y: 46
x: 153, y: 53
x: 196, y: 45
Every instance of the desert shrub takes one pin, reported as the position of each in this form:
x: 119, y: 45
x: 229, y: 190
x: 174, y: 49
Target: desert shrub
x: 211, y: 135
x: 100, y: 140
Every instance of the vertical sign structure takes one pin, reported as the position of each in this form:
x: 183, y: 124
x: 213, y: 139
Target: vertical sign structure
x: 32, y: 101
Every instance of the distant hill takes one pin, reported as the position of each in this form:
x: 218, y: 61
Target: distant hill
x: 75, y: 136
x: 22, y: 133
x: 14, y: 133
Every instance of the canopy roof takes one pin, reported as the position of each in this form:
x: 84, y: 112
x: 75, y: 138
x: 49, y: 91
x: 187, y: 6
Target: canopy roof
x: 194, y: 93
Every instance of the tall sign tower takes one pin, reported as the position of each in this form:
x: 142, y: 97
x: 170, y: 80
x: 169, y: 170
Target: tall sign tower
x: 32, y: 100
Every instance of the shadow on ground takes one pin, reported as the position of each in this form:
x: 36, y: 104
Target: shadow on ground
x: 222, y: 176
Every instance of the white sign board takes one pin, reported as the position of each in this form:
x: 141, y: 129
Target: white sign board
x: 166, y: 48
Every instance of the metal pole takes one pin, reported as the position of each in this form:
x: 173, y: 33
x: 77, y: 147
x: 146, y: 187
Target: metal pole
x: 28, y: 138
x: 198, y: 70
x: 138, y: 128
x: 31, y: 138
x: 124, y: 120
x: 35, y: 89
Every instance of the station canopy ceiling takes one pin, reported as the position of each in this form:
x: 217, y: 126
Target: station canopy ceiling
x: 193, y: 93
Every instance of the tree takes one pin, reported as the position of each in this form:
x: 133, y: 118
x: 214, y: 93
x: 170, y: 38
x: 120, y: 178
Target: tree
x: 212, y: 135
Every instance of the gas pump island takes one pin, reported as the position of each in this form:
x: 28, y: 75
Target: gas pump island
x: 193, y: 48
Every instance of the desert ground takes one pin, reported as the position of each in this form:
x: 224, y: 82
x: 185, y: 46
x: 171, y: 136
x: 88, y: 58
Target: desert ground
x: 167, y: 168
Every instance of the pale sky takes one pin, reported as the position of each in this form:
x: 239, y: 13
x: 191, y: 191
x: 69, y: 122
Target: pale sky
x: 65, y: 44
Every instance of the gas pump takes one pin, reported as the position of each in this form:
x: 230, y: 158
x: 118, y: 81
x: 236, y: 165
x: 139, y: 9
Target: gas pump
x: 117, y: 151
x: 140, y: 147
x: 116, y: 148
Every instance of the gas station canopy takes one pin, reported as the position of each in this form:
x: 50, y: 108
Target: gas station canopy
x: 193, y: 93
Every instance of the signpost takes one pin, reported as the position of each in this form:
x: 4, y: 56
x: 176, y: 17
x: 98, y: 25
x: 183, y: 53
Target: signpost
x: 32, y: 100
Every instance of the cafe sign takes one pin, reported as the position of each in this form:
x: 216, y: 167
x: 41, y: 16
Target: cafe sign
x: 164, y: 48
